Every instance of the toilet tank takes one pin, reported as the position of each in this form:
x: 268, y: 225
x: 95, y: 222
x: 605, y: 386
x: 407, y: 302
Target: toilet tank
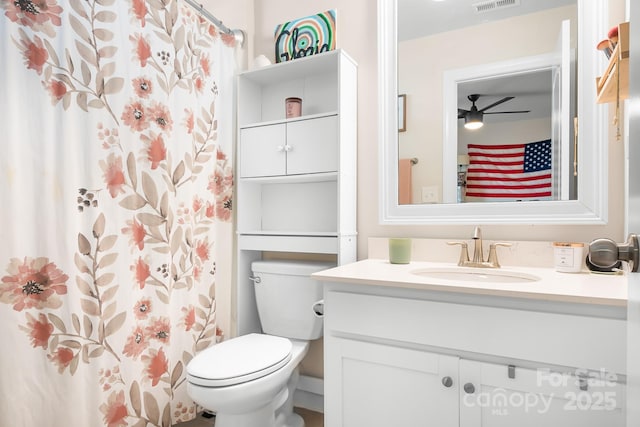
x: 285, y: 295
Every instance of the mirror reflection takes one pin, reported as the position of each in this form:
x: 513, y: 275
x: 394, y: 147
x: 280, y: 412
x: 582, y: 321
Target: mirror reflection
x: 508, y: 71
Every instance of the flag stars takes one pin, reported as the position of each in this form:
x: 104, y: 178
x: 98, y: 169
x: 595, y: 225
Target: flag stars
x: 537, y: 156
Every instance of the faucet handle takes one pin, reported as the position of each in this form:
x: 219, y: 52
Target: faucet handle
x: 464, y: 252
x: 493, y: 254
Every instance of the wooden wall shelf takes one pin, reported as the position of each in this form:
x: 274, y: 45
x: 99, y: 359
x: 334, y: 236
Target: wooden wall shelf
x: 616, y: 77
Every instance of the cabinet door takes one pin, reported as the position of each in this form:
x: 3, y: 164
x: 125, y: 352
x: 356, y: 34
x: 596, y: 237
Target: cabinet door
x: 376, y: 385
x: 262, y: 151
x: 536, y: 397
x: 312, y: 145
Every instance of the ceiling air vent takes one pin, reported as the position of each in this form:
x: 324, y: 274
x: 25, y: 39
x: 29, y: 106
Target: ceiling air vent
x: 493, y: 5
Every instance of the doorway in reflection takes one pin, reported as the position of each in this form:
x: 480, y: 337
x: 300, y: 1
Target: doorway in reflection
x: 438, y: 176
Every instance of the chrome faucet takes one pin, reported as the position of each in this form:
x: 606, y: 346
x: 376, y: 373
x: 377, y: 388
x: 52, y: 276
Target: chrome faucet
x: 477, y: 246
x: 478, y: 253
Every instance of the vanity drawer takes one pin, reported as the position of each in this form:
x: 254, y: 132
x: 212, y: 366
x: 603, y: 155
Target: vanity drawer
x: 550, y: 338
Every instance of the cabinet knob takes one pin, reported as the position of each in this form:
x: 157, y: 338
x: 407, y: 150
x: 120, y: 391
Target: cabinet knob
x: 583, y: 383
x: 447, y: 382
x: 280, y: 148
x: 469, y: 388
x: 288, y: 148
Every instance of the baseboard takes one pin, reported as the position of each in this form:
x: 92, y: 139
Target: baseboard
x: 309, y: 394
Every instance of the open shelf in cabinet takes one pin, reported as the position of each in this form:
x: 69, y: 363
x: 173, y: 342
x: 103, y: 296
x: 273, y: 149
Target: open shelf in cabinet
x: 288, y: 207
x: 282, y: 72
x: 315, y: 79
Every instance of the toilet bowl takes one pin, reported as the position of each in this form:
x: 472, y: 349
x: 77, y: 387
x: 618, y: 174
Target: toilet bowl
x: 249, y: 381
x: 251, y: 398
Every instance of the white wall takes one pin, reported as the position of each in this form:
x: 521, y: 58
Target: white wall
x: 516, y: 132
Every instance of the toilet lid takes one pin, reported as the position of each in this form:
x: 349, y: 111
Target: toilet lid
x: 239, y: 360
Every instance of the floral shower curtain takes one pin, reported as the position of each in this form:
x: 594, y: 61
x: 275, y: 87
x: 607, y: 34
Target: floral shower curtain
x: 115, y: 203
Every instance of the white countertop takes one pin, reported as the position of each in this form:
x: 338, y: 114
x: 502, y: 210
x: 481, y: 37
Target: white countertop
x: 584, y: 287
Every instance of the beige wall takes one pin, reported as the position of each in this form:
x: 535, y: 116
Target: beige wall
x: 357, y: 34
x: 236, y: 14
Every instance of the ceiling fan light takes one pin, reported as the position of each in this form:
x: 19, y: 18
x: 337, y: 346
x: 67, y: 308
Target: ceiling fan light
x: 473, y: 125
x: 473, y: 120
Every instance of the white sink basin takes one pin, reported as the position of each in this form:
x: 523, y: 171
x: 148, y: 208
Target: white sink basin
x: 469, y: 274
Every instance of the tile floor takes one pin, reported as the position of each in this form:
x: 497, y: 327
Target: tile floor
x: 311, y: 419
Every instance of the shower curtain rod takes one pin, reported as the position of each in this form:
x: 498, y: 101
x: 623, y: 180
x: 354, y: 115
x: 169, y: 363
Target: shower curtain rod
x: 238, y: 34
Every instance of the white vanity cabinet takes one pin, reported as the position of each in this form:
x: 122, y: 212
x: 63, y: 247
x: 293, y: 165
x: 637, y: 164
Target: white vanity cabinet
x: 385, y: 385
x: 296, y: 182
x: 538, y: 397
x: 419, y: 358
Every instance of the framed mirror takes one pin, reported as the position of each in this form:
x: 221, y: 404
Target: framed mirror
x: 579, y: 200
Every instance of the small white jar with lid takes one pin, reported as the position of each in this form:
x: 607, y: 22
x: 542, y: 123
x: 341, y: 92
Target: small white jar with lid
x: 568, y: 257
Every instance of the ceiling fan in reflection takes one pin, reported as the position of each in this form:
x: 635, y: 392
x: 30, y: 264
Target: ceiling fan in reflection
x: 473, y: 116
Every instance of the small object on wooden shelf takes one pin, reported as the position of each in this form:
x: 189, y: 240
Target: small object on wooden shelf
x: 605, y: 47
x: 614, y: 83
x: 612, y: 35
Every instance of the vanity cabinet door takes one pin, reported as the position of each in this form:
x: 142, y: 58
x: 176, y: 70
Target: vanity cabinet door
x: 536, y: 397
x: 262, y: 151
x: 312, y: 145
x: 375, y: 385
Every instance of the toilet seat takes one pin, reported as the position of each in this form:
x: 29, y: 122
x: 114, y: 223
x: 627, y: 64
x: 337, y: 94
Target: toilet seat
x: 239, y: 360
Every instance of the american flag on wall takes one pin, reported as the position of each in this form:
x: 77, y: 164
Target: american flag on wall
x: 509, y: 172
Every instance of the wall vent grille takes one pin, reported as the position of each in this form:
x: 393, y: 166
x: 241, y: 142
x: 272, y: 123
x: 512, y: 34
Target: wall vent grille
x: 493, y: 5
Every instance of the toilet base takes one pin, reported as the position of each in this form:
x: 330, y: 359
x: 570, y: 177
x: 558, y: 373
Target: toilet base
x: 285, y: 416
x: 279, y: 413
x: 294, y: 420
x: 259, y: 418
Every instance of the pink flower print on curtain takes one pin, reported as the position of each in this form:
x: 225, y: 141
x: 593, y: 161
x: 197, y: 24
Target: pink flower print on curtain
x: 33, y: 283
x: 40, y: 16
x: 108, y: 272
x: 35, y: 54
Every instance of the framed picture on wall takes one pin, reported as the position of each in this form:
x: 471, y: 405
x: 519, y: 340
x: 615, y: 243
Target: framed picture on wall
x: 402, y: 109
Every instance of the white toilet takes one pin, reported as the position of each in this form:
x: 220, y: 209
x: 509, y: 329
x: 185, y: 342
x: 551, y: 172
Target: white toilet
x: 249, y: 381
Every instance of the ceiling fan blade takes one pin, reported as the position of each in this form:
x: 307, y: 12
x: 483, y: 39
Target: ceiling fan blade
x: 508, y: 112
x: 505, y: 99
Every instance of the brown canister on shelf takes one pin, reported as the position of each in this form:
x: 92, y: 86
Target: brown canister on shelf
x: 293, y: 107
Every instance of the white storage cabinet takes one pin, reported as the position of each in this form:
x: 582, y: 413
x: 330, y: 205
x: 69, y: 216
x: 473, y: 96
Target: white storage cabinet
x: 296, y: 189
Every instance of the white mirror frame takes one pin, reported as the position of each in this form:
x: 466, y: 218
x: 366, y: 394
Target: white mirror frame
x: 591, y: 206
